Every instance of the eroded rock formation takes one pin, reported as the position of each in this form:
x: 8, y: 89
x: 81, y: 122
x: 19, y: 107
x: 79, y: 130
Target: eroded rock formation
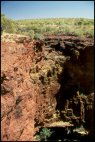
x: 43, y: 82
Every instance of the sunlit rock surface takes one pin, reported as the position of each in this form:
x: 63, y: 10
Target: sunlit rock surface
x: 46, y: 82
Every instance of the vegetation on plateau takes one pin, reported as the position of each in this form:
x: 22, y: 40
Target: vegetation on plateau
x: 37, y: 28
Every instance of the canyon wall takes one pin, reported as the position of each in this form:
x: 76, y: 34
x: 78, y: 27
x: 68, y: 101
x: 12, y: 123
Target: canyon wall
x: 43, y: 82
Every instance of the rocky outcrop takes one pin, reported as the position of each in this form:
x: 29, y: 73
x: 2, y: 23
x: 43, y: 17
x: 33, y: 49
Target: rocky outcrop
x: 44, y: 83
x: 17, y: 94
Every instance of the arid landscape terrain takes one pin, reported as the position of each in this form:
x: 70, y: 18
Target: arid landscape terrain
x: 47, y: 85
x: 47, y: 71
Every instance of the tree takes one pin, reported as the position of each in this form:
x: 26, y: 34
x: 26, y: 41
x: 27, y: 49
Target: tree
x: 8, y: 25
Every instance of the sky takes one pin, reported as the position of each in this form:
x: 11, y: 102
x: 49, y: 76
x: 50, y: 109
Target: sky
x: 47, y: 9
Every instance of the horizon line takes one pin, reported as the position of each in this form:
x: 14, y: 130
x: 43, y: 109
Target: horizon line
x: 54, y: 18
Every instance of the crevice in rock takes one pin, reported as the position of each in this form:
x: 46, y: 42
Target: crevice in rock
x: 60, y: 78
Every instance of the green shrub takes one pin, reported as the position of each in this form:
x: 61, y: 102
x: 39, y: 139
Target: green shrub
x: 31, y: 34
x: 38, y: 36
x: 44, y: 134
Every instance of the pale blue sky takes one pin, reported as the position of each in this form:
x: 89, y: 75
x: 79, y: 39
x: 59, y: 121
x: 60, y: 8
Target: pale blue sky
x: 48, y: 9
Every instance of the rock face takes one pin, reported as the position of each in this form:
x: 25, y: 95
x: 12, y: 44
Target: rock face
x: 44, y: 82
x: 18, y: 95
